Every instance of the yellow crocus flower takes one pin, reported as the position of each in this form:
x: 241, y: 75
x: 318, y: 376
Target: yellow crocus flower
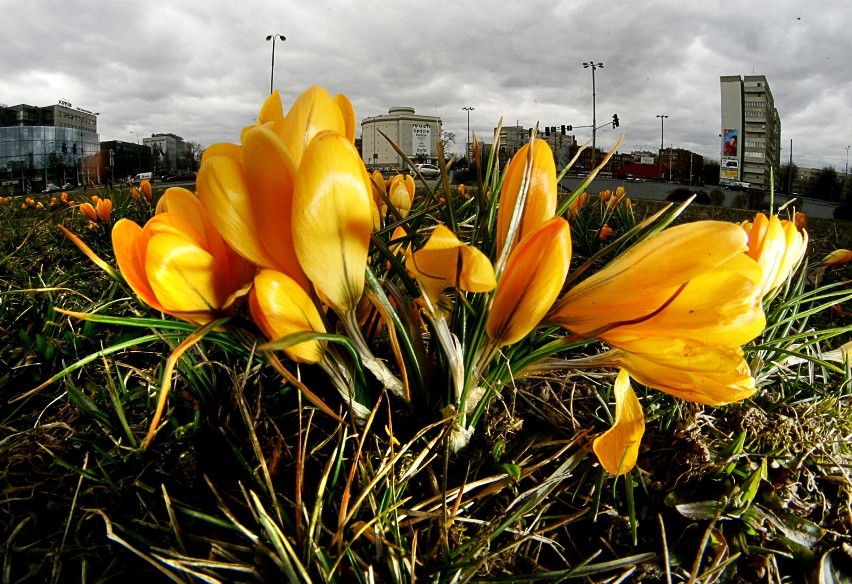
x: 178, y: 264
x: 778, y: 246
x: 445, y: 262
x: 533, y: 277
x: 279, y: 307
x: 401, y: 193
x: 332, y: 220
x: 145, y: 189
x: 540, y: 204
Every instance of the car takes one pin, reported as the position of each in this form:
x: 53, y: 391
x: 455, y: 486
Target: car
x: 427, y: 170
x: 68, y: 186
x: 180, y: 176
x: 51, y: 188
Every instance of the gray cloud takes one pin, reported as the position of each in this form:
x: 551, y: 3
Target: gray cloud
x: 200, y: 68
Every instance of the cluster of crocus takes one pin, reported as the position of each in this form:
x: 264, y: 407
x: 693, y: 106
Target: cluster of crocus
x: 101, y: 210
x: 144, y: 191
x: 778, y: 246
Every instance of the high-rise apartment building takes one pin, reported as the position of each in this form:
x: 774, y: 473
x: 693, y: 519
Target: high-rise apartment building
x: 751, y: 131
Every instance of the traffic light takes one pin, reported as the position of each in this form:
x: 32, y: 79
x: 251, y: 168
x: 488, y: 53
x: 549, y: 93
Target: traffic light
x: 64, y: 148
x: 569, y: 127
x: 547, y: 130
x: 563, y: 129
x: 74, y: 148
x: 615, y: 120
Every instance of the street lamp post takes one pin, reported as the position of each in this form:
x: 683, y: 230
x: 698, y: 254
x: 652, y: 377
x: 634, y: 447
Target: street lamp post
x: 592, y: 65
x: 467, y: 144
x: 662, y: 141
x: 846, y: 172
x: 272, y: 38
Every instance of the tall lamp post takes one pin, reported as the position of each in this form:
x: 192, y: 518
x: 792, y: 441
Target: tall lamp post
x: 592, y: 65
x: 467, y: 144
x: 846, y: 172
x: 662, y: 141
x: 272, y: 38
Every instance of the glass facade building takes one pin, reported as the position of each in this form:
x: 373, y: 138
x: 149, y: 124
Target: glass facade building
x: 43, y: 145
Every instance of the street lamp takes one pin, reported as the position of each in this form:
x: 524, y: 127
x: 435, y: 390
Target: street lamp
x: 846, y: 172
x: 662, y: 141
x: 272, y: 38
x: 592, y: 65
x: 467, y: 144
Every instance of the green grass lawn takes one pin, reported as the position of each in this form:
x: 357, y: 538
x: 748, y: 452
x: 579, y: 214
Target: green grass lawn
x: 246, y: 480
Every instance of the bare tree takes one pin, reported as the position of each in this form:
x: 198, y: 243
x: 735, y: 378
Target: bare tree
x: 194, y: 151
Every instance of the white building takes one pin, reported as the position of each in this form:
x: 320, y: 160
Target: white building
x: 415, y: 135
x: 751, y: 131
x: 168, y: 152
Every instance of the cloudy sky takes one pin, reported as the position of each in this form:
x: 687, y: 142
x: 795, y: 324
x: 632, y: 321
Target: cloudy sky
x: 201, y: 68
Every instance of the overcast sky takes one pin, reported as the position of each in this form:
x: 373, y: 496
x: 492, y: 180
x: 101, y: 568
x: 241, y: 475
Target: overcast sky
x: 201, y: 68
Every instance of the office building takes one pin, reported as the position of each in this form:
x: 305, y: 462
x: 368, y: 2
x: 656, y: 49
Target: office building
x: 750, y: 133
x: 414, y: 134
x: 169, y: 152
x: 42, y: 145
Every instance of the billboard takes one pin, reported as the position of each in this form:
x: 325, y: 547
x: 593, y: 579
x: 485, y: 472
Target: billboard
x: 421, y: 140
x: 731, y: 163
x: 646, y: 160
x: 729, y: 146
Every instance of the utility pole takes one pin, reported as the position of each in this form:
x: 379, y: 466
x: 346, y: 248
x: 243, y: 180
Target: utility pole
x: 662, y: 141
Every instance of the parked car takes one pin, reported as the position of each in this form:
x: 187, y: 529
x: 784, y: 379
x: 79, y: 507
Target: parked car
x: 180, y: 176
x: 68, y: 186
x: 51, y: 188
x: 427, y: 170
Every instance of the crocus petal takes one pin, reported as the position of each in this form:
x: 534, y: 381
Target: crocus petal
x: 540, y: 203
x: 104, y: 210
x: 643, y: 279
x: 531, y: 281
x: 129, y: 243
x: 837, y: 258
x: 89, y: 211
x: 445, y: 262
x: 332, y: 219
x: 348, y: 113
x: 272, y: 112
x: 618, y: 448
x: 280, y: 306
x: 400, y: 198
x: 313, y: 112
x: 145, y: 189
x: 689, y: 369
x: 778, y: 246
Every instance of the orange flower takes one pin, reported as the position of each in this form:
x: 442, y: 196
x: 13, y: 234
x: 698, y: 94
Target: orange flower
x: 576, y: 206
x: 104, y: 210
x: 89, y: 211
x: 178, y: 264
x: 604, y: 232
x: 401, y: 193
x: 64, y: 197
x: 145, y: 189
x: 531, y: 281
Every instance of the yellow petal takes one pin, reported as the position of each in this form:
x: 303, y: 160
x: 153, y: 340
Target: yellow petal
x: 280, y: 306
x: 541, y: 197
x: 348, y: 113
x: 618, y: 448
x: 837, y: 258
x: 222, y: 149
x: 689, y: 369
x: 272, y: 112
x: 145, y: 189
x: 313, y: 112
x: 184, y: 277
x: 533, y: 278
x: 129, y: 244
x: 445, y: 262
x: 332, y: 219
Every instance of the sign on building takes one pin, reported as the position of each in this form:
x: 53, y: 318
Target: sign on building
x: 421, y: 139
